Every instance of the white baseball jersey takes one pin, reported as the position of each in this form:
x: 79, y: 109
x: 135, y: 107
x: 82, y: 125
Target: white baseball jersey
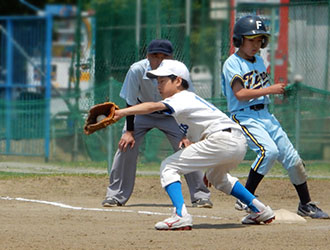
x: 196, y: 117
x: 213, y: 150
x: 253, y: 75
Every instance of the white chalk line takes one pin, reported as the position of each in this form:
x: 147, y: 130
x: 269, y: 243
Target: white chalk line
x: 62, y: 205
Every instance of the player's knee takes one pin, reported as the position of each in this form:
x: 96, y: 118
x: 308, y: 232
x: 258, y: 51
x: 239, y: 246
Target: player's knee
x: 226, y: 183
x: 162, y: 166
x: 271, y: 154
x: 162, y: 170
x: 297, y: 173
x: 168, y: 174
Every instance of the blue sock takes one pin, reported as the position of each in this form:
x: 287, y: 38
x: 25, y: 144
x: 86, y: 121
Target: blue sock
x: 174, y: 191
x: 241, y: 193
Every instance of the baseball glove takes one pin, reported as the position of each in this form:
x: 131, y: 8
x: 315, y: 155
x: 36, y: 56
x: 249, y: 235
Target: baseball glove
x: 107, y: 109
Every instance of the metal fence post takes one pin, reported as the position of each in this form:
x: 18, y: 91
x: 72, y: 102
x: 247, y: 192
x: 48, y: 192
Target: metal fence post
x: 48, y: 84
x: 110, y: 133
x: 77, y: 89
x: 9, y: 82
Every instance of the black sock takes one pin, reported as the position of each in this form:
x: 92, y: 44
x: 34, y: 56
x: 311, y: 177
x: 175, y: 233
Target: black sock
x: 253, y: 181
x: 303, y: 193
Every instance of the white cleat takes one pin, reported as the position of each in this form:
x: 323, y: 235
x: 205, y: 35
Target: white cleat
x: 175, y: 222
x: 266, y: 216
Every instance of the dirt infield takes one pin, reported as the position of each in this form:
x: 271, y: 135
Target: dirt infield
x: 35, y: 223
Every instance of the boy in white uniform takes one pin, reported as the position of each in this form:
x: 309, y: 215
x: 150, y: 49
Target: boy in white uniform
x: 213, y: 143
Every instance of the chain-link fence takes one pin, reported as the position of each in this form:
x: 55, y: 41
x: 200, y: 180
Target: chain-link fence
x: 115, y: 34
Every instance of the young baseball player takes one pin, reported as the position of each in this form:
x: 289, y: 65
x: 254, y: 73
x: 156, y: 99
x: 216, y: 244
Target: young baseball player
x: 138, y: 88
x: 213, y: 143
x: 246, y: 85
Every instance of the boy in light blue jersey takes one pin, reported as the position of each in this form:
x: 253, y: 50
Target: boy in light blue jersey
x: 246, y: 85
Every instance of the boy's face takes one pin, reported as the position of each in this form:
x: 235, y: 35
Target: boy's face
x: 156, y: 59
x: 167, y: 87
x: 250, y: 46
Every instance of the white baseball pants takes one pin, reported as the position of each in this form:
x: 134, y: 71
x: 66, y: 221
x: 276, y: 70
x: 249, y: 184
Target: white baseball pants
x: 217, y: 154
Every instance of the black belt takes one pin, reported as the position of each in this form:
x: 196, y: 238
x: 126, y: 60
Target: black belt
x: 227, y: 130
x: 256, y: 107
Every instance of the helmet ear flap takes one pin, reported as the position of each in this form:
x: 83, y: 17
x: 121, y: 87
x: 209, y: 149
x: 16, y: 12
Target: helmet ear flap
x: 265, y: 41
x: 237, y: 41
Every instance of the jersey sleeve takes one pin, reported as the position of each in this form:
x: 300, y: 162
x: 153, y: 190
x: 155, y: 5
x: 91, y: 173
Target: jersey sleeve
x: 131, y: 85
x: 232, y: 72
x: 174, y: 105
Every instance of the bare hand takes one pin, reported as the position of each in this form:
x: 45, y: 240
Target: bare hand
x: 277, y: 88
x: 127, y: 139
x: 206, y: 181
x: 185, y: 142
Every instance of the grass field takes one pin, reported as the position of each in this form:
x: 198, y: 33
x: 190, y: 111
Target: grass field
x: 315, y: 169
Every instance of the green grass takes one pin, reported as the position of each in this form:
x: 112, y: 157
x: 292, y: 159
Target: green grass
x: 13, y: 175
x: 82, y: 164
x: 317, y: 169
x: 313, y: 168
x: 9, y: 175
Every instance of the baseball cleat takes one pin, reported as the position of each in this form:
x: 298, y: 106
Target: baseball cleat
x: 111, y: 202
x: 175, y: 222
x: 311, y: 210
x: 202, y: 203
x: 266, y: 216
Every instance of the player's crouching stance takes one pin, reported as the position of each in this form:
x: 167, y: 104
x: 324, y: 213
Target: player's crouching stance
x: 213, y: 143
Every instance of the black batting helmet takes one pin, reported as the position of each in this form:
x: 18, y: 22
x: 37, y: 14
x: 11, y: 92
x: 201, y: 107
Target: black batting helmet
x: 252, y: 26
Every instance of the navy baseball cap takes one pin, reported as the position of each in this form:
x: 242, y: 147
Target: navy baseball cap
x: 160, y: 46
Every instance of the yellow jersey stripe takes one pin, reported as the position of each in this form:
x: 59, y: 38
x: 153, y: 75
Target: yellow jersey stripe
x: 262, y: 149
x: 235, y: 77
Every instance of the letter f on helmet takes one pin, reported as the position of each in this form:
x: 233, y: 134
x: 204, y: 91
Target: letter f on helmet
x: 259, y: 24
x: 250, y: 25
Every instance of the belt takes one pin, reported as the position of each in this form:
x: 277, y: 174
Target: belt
x: 256, y: 107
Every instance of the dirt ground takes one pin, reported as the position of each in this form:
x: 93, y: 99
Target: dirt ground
x: 35, y: 223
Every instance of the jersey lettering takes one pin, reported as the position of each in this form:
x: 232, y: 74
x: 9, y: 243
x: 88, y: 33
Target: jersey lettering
x: 255, y: 80
x: 248, y: 77
x: 265, y: 78
x: 184, y: 128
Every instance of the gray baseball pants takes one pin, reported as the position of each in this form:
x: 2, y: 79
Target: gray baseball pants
x: 123, y: 171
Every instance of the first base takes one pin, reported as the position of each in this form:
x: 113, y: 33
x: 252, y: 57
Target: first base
x: 285, y: 216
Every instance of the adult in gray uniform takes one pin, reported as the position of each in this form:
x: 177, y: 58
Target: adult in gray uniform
x: 138, y: 88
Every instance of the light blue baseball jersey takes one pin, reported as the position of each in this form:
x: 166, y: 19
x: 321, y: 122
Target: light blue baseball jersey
x: 264, y: 133
x: 253, y: 76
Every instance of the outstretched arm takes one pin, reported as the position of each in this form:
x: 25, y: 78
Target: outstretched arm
x: 243, y: 94
x: 140, y: 109
x: 127, y: 138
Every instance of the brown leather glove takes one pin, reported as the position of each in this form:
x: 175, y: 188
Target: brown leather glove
x: 107, y: 109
